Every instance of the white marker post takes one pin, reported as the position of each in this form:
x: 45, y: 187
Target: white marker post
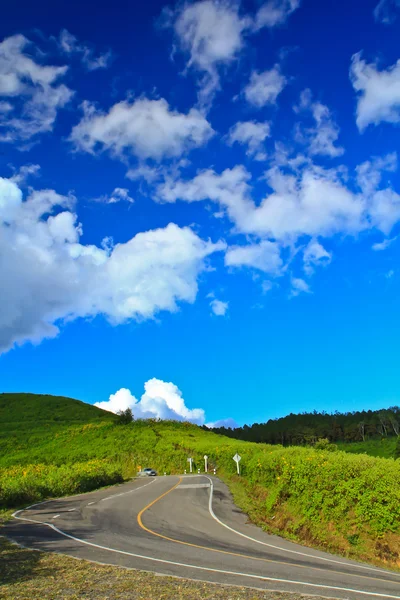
x: 237, y: 460
x: 205, y: 463
x: 190, y: 461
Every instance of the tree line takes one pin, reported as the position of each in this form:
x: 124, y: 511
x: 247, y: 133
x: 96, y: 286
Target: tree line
x: 307, y: 428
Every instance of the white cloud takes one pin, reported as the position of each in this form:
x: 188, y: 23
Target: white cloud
x: 383, y: 245
x: 23, y: 173
x: 299, y: 286
x: 52, y: 277
x: 378, y: 92
x: 118, y: 195
x: 250, y: 133
x: 210, y: 33
x: 264, y: 88
x: 69, y: 45
x: 228, y: 423
x: 322, y: 137
x: 5, y: 107
x: 143, y: 171
x: 274, y: 13
x: 218, y: 307
x: 385, y: 11
x: 310, y: 201
x: 33, y: 96
x: 161, y: 400
x: 144, y: 128
x: 314, y: 256
x: 264, y: 256
x: 266, y: 286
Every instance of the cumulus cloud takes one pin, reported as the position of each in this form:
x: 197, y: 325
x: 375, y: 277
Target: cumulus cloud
x: 212, y: 34
x: 252, y: 134
x: 161, y: 400
x: 148, y: 129
x: 378, y: 92
x: 309, y: 201
x: 301, y: 200
x: 69, y: 45
x: 33, y: 93
x: 265, y: 87
x: 218, y: 307
x: 52, y: 277
x: 321, y: 138
x: 118, y: 195
x: 386, y: 11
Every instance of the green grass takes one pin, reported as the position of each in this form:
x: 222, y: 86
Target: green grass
x: 341, y: 502
x: 381, y: 447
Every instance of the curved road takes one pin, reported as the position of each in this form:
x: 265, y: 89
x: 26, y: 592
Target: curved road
x: 188, y: 526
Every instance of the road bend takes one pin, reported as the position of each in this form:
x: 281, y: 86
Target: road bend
x: 189, y: 527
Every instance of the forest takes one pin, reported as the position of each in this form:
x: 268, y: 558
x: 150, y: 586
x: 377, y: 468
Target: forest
x: 307, y: 428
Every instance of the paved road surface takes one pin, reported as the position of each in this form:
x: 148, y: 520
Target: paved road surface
x: 188, y: 526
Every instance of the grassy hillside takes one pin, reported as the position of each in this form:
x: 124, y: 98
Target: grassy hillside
x: 38, y: 408
x: 383, y: 447
x: 342, y: 502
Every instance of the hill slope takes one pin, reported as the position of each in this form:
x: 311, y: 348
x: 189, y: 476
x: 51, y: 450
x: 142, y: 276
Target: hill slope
x: 33, y: 409
x: 340, y: 502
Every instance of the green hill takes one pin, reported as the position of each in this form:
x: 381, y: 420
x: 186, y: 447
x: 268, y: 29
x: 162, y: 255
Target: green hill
x: 345, y: 503
x: 28, y: 409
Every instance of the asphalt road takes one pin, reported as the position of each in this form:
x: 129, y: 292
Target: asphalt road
x: 188, y: 526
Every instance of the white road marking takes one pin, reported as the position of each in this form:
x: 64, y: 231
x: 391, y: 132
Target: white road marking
x: 90, y: 503
x: 55, y: 517
x: 71, y: 509
x: 193, y: 485
x: 130, y: 491
x: 338, y: 562
x: 210, y: 570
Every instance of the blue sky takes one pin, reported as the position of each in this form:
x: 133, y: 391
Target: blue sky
x: 199, y: 205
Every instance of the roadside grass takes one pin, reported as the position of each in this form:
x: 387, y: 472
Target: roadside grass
x: 5, y: 515
x: 40, y: 576
x: 287, y: 520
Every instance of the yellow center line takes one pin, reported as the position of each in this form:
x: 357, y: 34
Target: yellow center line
x: 268, y: 560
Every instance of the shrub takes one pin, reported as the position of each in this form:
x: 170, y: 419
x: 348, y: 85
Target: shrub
x: 325, y: 444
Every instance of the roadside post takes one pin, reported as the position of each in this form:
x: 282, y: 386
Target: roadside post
x: 190, y: 461
x: 198, y: 470
x: 205, y: 463
x: 237, y: 460
x: 215, y: 471
x: 185, y: 471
